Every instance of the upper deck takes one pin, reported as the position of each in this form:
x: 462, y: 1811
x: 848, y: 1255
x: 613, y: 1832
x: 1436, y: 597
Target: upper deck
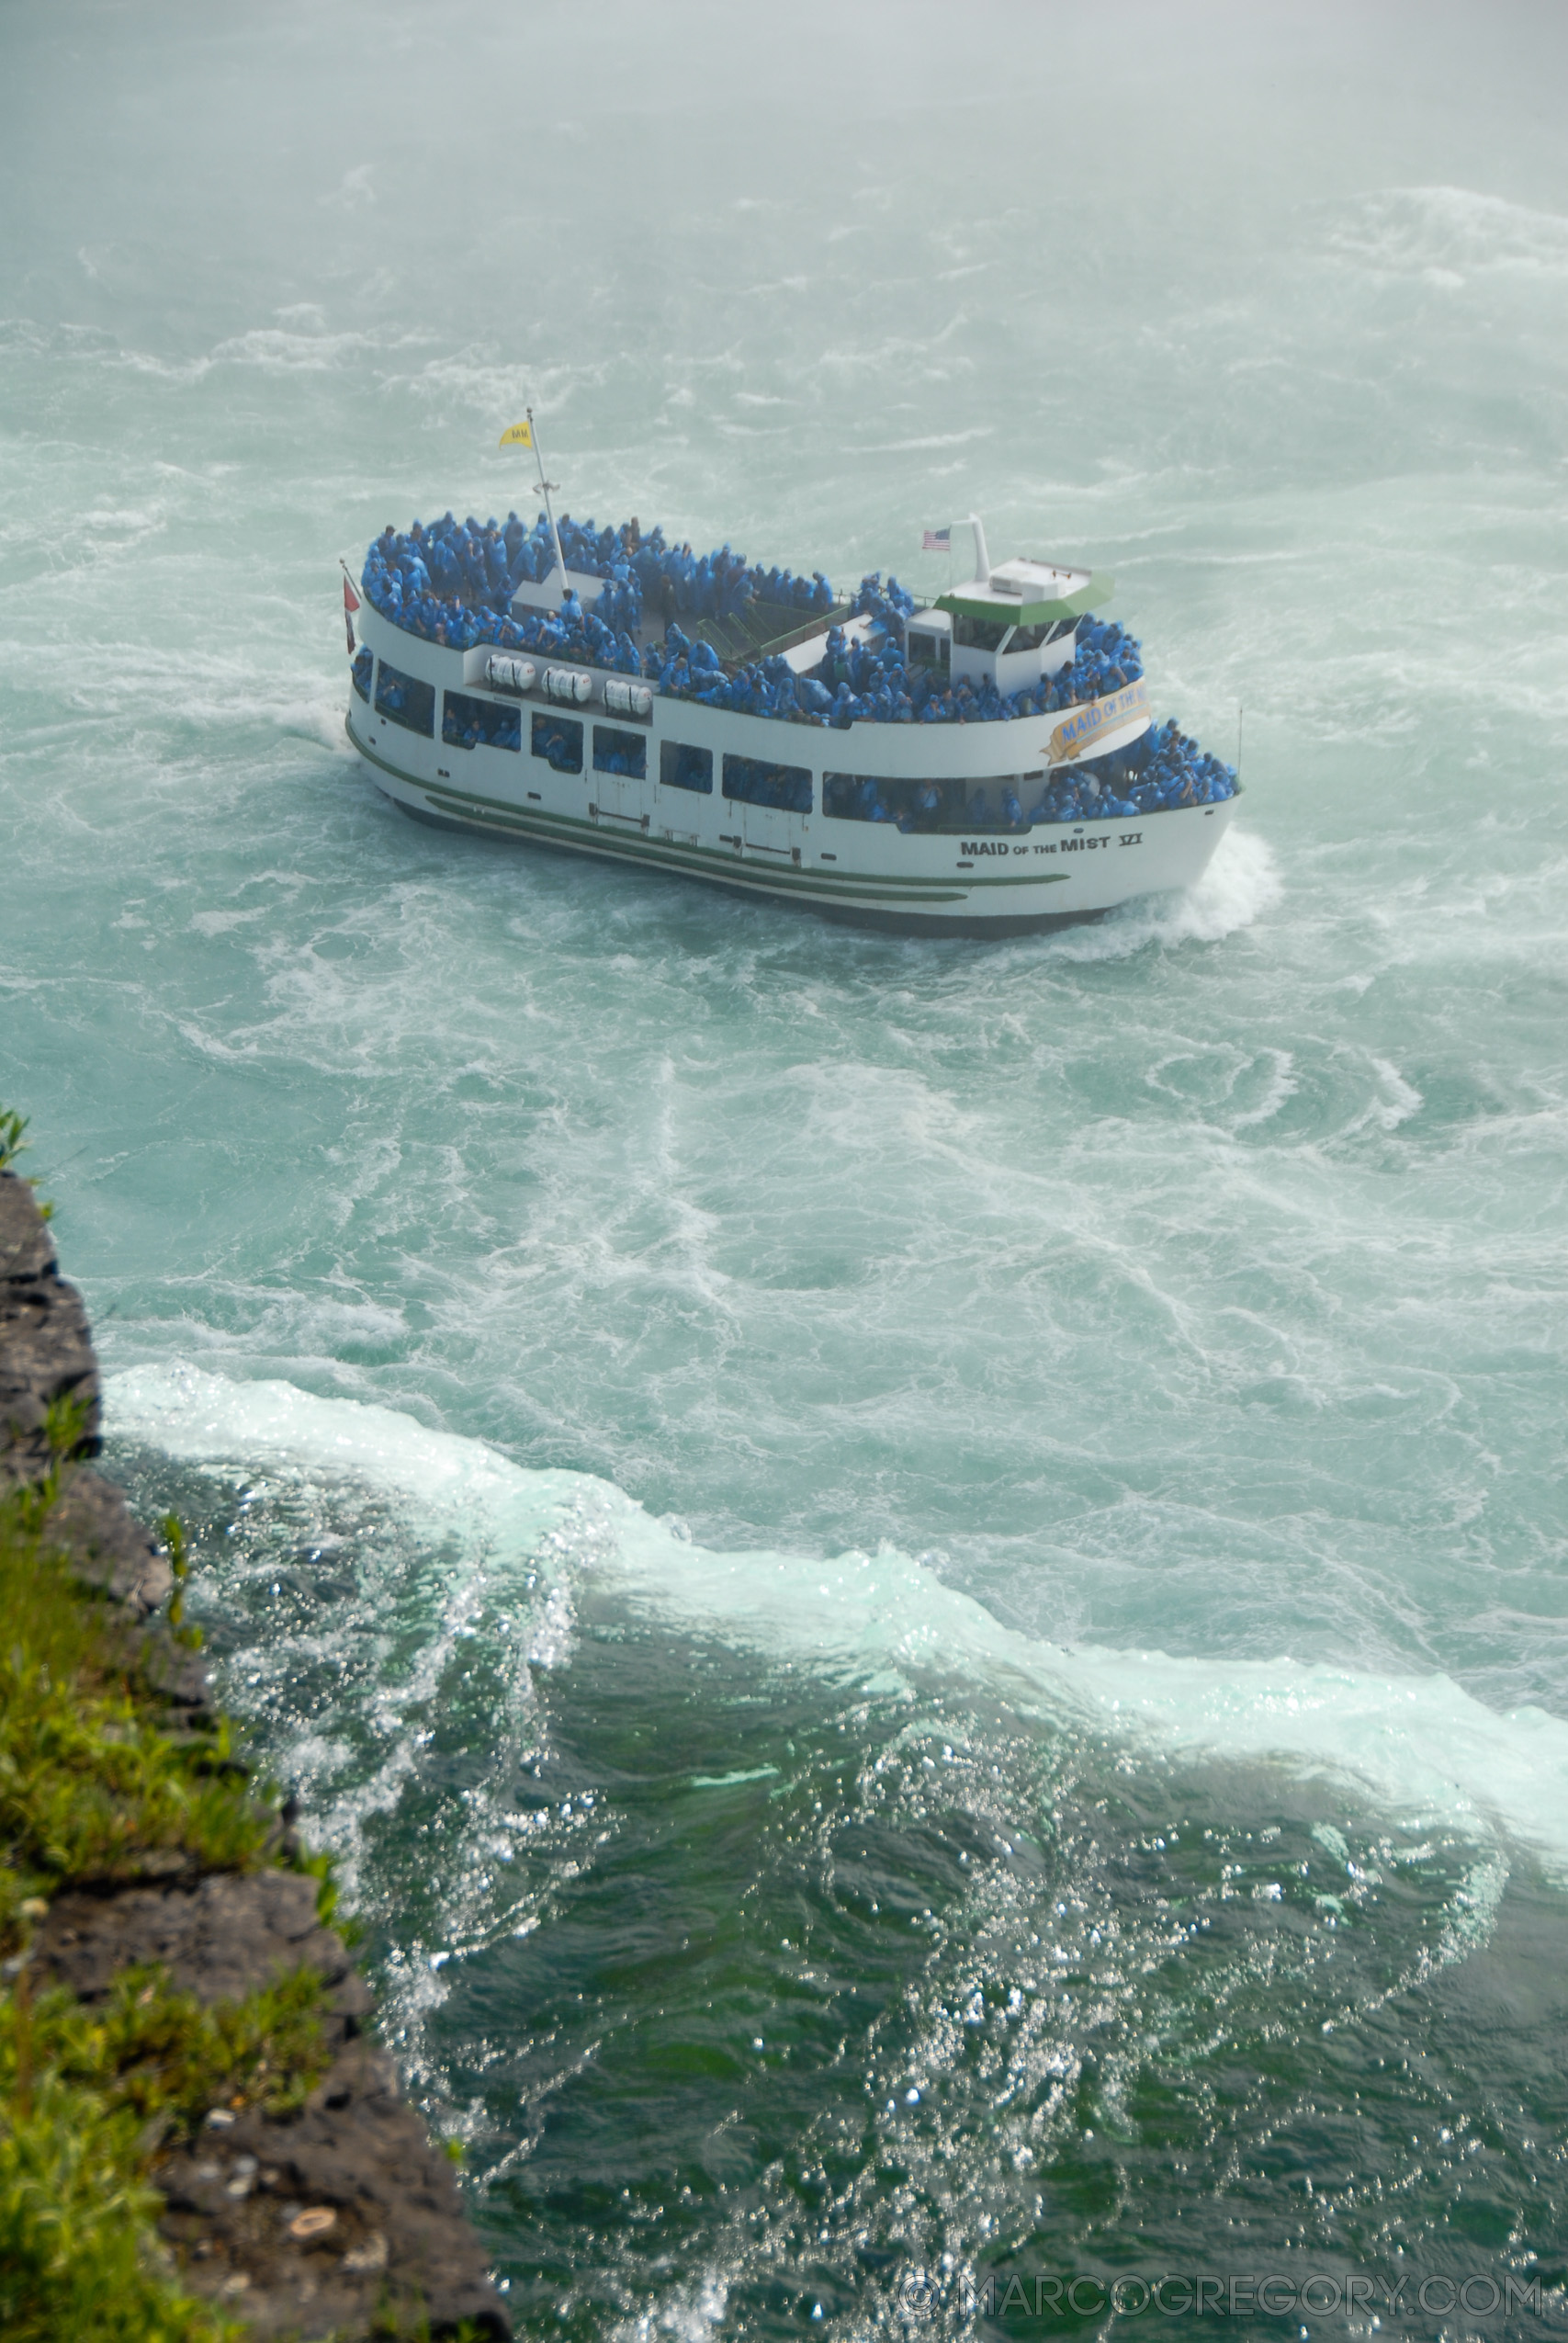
x: 1016, y: 642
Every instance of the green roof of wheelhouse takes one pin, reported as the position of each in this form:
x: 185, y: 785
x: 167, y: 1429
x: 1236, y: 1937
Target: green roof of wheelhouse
x: 995, y: 607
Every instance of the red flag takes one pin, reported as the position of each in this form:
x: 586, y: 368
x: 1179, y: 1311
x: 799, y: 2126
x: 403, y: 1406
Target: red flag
x: 350, y: 605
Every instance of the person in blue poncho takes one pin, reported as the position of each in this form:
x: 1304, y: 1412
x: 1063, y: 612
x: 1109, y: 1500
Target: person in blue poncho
x: 470, y: 561
x: 496, y: 577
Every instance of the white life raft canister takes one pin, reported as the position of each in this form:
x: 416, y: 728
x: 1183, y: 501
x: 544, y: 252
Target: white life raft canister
x: 504, y: 675
x: 627, y: 699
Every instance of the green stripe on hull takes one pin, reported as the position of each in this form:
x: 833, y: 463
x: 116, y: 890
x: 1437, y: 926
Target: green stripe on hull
x: 589, y: 837
x: 659, y: 853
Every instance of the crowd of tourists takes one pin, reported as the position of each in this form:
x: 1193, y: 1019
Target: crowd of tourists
x: 470, y: 723
x: 1162, y: 769
x: 453, y: 584
x: 479, y: 566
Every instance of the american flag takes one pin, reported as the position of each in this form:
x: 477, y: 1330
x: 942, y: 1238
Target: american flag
x: 937, y: 541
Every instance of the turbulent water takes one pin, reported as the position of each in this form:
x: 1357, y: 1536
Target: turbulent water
x: 922, y: 1584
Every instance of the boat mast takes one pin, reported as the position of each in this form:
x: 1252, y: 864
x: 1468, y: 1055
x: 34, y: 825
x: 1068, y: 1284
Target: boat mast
x: 545, y: 488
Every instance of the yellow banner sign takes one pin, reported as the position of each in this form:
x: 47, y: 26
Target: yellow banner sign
x: 520, y: 436
x: 1081, y: 727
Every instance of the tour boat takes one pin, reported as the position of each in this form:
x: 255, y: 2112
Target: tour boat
x: 984, y: 763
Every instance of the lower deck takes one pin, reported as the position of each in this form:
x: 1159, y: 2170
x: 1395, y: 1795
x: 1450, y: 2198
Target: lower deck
x: 874, y: 875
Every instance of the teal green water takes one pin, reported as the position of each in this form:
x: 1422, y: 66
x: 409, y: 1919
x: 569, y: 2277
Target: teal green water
x: 924, y: 1584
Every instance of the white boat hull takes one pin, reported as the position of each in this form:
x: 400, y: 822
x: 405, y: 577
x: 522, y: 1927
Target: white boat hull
x: 869, y: 873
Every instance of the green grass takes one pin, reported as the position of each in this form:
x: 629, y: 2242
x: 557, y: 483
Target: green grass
x: 159, y: 2052
x: 78, y: 2255
x: 13, y: 1144
x: 92, y: 1785
x: 12, y: 1126
x: 78, y: 2252
x: 95, y: 1788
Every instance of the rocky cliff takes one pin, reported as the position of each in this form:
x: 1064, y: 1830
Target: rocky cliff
x: 339, y: 2217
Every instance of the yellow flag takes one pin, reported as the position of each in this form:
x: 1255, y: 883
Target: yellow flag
x: 520, y: 436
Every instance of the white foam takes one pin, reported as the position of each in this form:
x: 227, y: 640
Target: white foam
x: 220, y: 922
x: 1240, y: 885
x: 1421, y: 1745
x: 1279, y: 1086
x: 1442, y: 233
x: 689, y: 2313
x: 353, y: 190
x: 277, y: 351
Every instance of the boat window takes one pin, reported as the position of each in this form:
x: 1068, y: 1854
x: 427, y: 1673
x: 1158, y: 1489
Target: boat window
x: 467, y: 723
x: 753, y: 779
x: 558, y: 739
x: 683, y: 768
x: 624, y: 752
x: 360, y: 671
x: 977, y: 634
x: 403, y: 699
x: 928, y: 650
x: 908, y: 805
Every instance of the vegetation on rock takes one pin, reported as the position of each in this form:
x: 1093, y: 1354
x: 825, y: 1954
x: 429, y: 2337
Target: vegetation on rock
x: 95, y: 1788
